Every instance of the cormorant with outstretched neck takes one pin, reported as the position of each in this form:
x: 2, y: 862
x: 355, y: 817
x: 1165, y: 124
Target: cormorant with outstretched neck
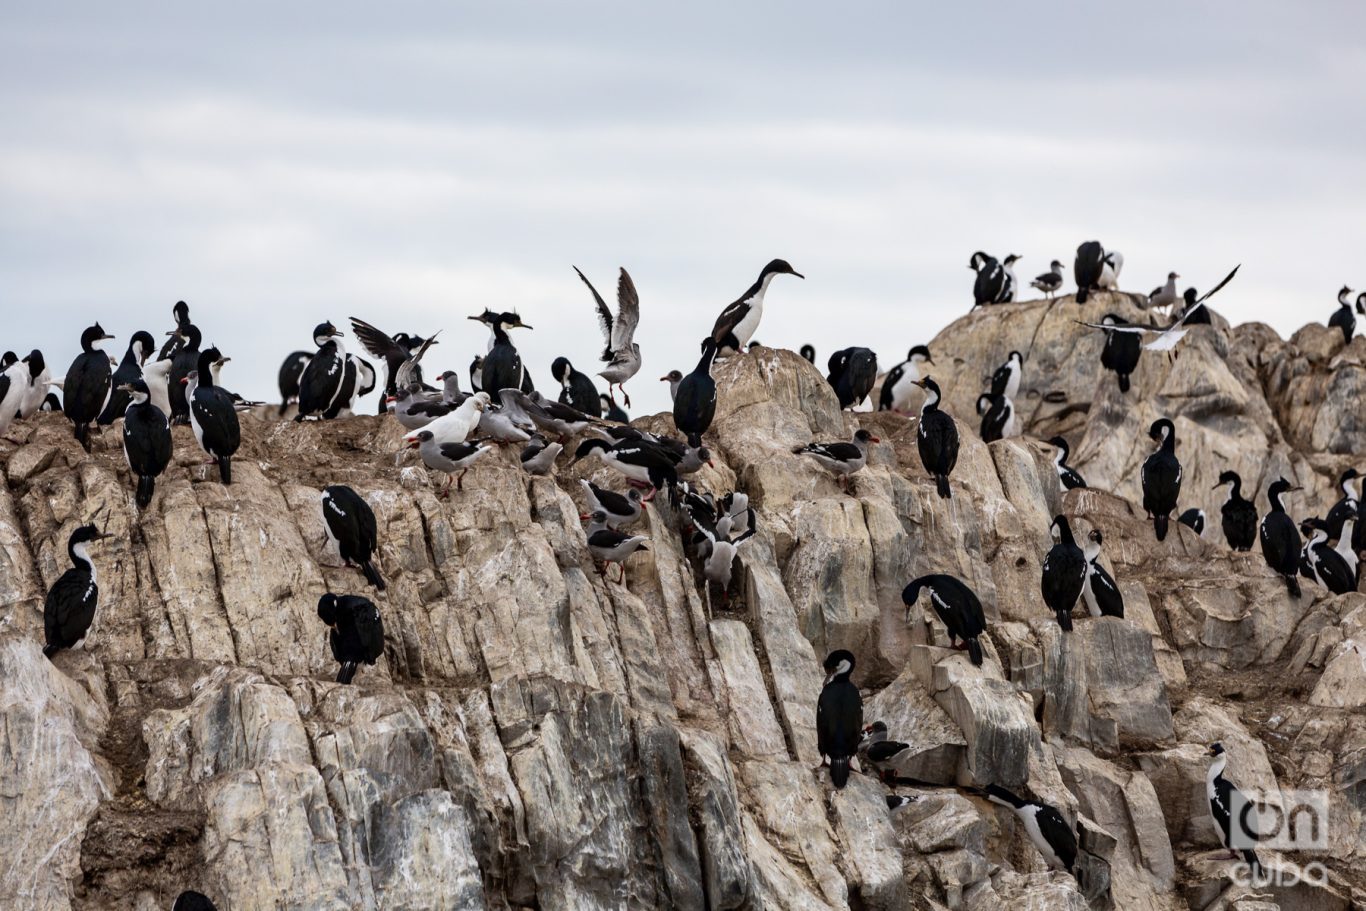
x: 183, y: 360
x: 213, y: 415
x: 140, y: 347
x: 350, y: 525
x: 695, y: 400
x: 1161, y: 477
x: 1239, y: 515
x: 1064, y: 574
x: 1068, y: 477
x: 735, y: 326
x: 1044, y: 825
x: 72, y: 599
x: 1280, y: 537
x: 87, y: 386
x: 355, y: 631
x: 957, y: 605
x: 1342, y: 317
x: 146, y: 439
x: 936, y: 438
x: 839, y: 716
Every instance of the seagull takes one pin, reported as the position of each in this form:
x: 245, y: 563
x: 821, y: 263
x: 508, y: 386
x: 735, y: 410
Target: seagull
x: 538, y: 456
x: 1050, y: 281
x: 397, y: 352
x: 1167, y: 295
x: 457, y: 426
x: 621, y: 353
x: 1169, y: 336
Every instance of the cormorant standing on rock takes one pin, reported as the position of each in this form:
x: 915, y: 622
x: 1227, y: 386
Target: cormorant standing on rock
x: 897, y: 384
x: 1100, y: 592
x: 87, y: 386
x: 350, y: 524
x: 1087, y: 268
x: 1194, y: 519
x: 1044, y: 825
x: 71, y: 602
x: 213, y: 415
x: 1280, y: 537
x: 320, y: 386
x: 291, y: 372
x: 936, y: 438
x: 695, y: 399
x: 1224, y: 801
x: 1343, y: 318
x: 839, y: 716
x: 576, y: 388
x: 1239, y: 515
x: 735, y: 326
x: 184, y: 359
x: 957, y: 606
x: 355, y: 631
x: 1068, y: 478
x: 1161, y: 477
x: 140, y: 347
x: 1064, y: 574
x: 853, y: 374
x: 1345, y: 508
x: 146, y: 440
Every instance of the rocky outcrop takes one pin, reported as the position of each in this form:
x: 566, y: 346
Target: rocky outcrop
x: 538, y: 736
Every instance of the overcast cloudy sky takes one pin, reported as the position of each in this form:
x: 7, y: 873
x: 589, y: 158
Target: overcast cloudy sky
x: 280, y: 164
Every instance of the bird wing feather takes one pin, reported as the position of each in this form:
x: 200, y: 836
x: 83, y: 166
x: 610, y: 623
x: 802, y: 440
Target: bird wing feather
x: 605, y: 321
x: 376, y: 342
x: 404, y: 376
x: 628, y: 313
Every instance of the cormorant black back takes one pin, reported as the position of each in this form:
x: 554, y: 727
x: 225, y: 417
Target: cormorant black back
x: 839, y: 716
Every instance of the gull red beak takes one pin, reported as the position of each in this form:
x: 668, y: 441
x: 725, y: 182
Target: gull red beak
x: 184, y: 381
x: 874, y: 440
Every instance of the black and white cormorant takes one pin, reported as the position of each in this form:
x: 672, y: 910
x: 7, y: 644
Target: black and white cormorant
x: 1194, y: 519
x: 140, y: 347
x: 1110, y: 269
x: 1345, y: 508
x: 1100, y: 592
x: 36, y: 384
x: 620, y: 352
x: 998, y: 417
x: 735, y: 326
x: 175, y: 340
x: 355, y: 631
x: 1044, y: 825
x: 503, y: 365
x: 213, y: 416
x: 896, y: 392
x: 853, y: 373
x: 643, y: 463
x: 809, y: 353
x: 72, y: 599
x: 1239, y: 516
x: 1051, y: 281
x: 320, y: 386
x: 1087, y: 268
x: 1193, y: 313
x: 1224, y: 801
x: 1122, y: 349
x: 576, y: 388
x: 1328, y: 567
x: 1068, y: 477
x: 957, y: 606
x: 184, y: 359
x: 13, y: 381
x: 350, y: 525
x: 146, y: 439
x: 291, y: 372
x: 1280, y: 538
x: 695, y: 398
x: 1161, y: 477
x: 1343, y: 317
x: 1006, y: 380
x: 844, y: 459
x: 839, y: 716
x: 990, y: 284
x: 87, y: 386
x: 936, y: 438
x: 1011, y: 285
x: 1064, y: 574
x: 191, y: 900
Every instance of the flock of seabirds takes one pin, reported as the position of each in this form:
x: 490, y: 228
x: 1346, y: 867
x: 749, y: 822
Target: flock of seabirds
x: 150, y: 389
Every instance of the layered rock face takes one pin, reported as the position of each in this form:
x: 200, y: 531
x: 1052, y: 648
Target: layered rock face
x: 538, y: 737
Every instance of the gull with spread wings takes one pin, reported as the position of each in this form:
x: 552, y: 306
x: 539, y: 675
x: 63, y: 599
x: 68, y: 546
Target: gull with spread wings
x: 1167, y: 336
x: 399, y: 353
x: 621, y: 353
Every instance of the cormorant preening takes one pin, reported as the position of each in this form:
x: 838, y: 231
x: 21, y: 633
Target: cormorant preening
x: 695, y: 399
x: 1343, y: 317
x: 1067, y: 477
x: 72, y: 599
x: 1280, y: 537
x: 936, y: 438
x: 355, y: 631
x: 576, y: 388
x: 146, y: 439
x: 140, y: 347
x: 612, y: 411
x: 87, y: 386
x: 1064, y: 574
x: 1239, y: 515
x: 350, y: 524
x: 1044, y: 825
x: 897, y: 384
x: 839, y: 716
x: 957, y: 605
x: 1087, y: 268
x: 1006, y: 380
x: 990, y: 285
x: 213, y: 415
x: 1237, y: 835
x: 853, y: 373
x: 1161, y: 477
x: 809, y: 352
x: 998, y: 417
x: 1194, y: 519
x: 735, y: 326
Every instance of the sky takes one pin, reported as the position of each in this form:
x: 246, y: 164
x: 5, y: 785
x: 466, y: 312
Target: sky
x: 278, y: 165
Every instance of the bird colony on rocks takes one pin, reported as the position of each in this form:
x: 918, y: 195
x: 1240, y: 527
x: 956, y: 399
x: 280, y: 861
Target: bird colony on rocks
x: 810, y: 641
